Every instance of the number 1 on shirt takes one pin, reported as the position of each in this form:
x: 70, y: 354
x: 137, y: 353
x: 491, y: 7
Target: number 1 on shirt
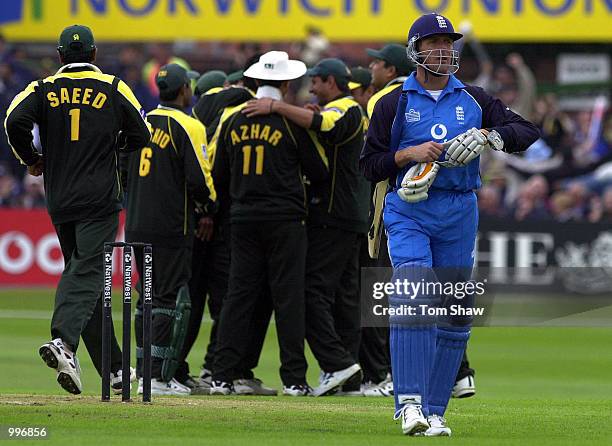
x: 75, y: 117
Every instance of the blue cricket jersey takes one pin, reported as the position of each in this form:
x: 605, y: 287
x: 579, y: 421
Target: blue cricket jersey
x: 423, y: 119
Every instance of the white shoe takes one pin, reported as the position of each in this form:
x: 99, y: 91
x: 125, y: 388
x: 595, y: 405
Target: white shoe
x: 161, y: 388
x: 221, y: 388
x: 301, y: 390
x: 413, y: 420
x: 464, y: 388
x: 335, y: 379
x: 172, y: 387
x: 437, y: 427
x: 117, y: 380
x: 58, y: 357
x: 372, y: 389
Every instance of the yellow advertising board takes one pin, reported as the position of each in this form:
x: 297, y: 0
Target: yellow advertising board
x: 385, y: 20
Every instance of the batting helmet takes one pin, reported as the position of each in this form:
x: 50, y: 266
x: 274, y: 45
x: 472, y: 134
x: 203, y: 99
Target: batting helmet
x: 429, y: 25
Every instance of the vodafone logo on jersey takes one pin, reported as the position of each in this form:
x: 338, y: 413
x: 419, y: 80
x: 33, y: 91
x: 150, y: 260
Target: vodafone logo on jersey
x: 439, y: 131
x: 30, y: 253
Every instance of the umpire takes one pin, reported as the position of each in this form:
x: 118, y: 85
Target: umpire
x: 165, y: 180
x: 80, y: 112
x: 261, y: 162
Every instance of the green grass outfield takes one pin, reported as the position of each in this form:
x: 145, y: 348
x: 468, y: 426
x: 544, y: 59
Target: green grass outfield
x: 540, y: 386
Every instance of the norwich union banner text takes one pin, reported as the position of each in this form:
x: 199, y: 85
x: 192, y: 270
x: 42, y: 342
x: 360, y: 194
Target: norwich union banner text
x: 385, y: 20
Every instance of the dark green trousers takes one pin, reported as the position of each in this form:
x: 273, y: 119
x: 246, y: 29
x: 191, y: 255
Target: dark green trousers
x: 78, y: 310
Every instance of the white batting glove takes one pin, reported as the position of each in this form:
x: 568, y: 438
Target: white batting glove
x: 465, y: 147
x: 417, y: 181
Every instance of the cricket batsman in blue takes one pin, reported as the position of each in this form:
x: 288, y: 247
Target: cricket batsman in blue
x: 426, y: 138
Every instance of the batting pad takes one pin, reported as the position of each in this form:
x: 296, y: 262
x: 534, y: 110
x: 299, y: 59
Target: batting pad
x: 412, y: 355
x: 451, y: 344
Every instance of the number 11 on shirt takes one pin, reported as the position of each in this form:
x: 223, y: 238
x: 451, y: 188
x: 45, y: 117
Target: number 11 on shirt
x: 246, y: 159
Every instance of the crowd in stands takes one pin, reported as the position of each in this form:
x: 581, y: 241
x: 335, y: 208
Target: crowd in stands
x: 564, y: 176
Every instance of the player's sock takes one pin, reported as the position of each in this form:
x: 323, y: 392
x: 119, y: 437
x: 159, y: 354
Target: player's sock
x: 451, y: 344
x: 412, y: 353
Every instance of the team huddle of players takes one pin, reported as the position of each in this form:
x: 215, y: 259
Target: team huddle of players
x: 288, y: 185
x: 262, y: 207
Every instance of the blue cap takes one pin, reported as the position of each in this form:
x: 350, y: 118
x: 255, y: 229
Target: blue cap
x: 431, y: 24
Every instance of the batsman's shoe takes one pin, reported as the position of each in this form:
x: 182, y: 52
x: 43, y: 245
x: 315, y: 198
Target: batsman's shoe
x: 117, y: 380
x: 58, y: 357
x: 253, y: 386
x: 371, y: 389
x: 413, y: 421
x: 332, y: 380
x: 205, y: 378
x: 221, y: 388
x: 162, y: 388
x: 297, y: 390
x: 437, y: 427
x: 464, y: 388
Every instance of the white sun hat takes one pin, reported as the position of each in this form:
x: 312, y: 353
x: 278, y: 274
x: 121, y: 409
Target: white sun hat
x: 276, y: 66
